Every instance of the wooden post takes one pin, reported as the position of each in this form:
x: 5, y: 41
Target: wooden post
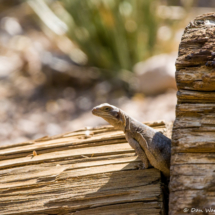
x: 90, y: 171
x: 192, y: 184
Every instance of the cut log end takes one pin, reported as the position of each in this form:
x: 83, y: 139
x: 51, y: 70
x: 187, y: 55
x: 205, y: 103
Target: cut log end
x: 193, y: 139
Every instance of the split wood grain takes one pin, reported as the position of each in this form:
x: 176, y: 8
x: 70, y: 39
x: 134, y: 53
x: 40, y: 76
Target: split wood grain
x: 90, y: 171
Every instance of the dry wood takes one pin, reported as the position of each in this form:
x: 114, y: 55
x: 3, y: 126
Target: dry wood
x: 192, y: 181
x: 90, y: 171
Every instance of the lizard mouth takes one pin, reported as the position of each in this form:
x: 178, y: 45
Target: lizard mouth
x: 95, y: 111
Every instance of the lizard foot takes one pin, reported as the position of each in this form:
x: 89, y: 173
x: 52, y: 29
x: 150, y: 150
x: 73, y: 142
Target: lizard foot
x: 141, y: 166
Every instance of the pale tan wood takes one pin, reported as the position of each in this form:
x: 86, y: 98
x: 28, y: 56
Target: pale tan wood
x: 193, y: 158
x: 192, y: 181
x: 124, y: 209
x: 195, y: 96
x: 90, y: 171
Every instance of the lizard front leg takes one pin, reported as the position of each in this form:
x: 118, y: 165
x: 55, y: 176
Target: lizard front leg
x: 138, y: 149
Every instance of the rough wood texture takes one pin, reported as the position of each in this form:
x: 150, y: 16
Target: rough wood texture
x: 192, y: 181
x: 90, y: 171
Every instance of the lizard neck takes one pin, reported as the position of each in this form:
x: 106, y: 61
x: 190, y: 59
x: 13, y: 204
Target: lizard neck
x: 120, y: 122
x: 116, y: 123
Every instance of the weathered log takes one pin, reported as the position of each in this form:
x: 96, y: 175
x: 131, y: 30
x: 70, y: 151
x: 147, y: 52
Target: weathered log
x: 192, y: 182
x: 90, y: 171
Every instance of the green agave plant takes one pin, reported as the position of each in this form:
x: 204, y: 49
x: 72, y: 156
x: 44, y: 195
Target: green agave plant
x: 114, y: 34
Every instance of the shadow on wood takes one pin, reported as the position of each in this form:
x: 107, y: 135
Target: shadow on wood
x: 90, y: 171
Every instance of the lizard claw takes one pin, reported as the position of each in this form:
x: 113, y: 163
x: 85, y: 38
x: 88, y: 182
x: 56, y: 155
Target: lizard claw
x: 141, y: 166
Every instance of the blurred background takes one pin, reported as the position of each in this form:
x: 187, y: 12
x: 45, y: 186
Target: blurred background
x: 60, y: 58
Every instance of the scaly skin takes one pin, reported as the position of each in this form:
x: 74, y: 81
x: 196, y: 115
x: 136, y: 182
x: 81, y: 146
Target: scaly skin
x: 149, y: 144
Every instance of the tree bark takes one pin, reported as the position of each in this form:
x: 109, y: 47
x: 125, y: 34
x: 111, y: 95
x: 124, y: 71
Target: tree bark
x: 90, y: 171
x: 192, y: 181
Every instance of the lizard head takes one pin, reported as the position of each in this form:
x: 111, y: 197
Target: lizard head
x: 111, y: 114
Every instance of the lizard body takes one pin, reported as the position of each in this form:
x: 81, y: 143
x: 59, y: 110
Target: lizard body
x: 149, y: 144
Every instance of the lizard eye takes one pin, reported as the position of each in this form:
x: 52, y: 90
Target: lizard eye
x: 107, y: 108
